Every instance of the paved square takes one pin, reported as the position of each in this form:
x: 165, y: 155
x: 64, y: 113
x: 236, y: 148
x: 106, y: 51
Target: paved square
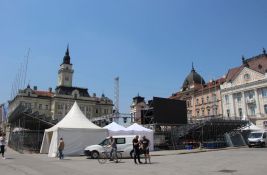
x: 243, y: 161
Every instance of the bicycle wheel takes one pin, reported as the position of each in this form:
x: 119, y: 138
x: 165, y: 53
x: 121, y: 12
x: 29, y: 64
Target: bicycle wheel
x: 102, y: 158
x: 119, y: 157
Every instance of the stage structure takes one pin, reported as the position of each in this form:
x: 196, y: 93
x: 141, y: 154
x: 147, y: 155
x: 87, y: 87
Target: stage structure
x: 168, y: 118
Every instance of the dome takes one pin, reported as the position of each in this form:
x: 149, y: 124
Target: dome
x: 193, y: 78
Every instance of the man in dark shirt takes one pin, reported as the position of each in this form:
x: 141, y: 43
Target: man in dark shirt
x: 145, y: 145
x: 136, y: 148
x: 113, y: 146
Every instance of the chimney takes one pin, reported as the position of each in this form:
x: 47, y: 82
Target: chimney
x: 50, y: 89
x: 35, y: 88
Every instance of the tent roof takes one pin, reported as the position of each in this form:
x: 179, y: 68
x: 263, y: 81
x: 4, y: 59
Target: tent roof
x: 115, y: 127
x: 74, y: 119
x: 137, y: 127
x: 251, y: 126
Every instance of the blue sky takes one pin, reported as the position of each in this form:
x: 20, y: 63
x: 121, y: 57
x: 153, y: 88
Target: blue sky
x: 149, y: 44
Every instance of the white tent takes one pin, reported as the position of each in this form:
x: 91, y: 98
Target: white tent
x: 142, y: 131
x: 77, y: 132
x: 116, y: 129
x: 251, y: 127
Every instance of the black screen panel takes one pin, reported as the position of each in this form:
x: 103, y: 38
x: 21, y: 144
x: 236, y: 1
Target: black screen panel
x: 169, y: 111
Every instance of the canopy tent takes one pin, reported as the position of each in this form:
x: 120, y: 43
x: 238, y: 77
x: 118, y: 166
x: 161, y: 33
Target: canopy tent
x: 136, y: 129
x: 252, y: 127
x: 116, y: 129
x: 77, y: 132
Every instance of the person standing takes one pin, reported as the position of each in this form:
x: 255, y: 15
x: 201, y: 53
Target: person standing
x: 113, y: 149
x: 2, y: 146
x: 136, y: 148
x: 145, y: 144
x: 61, y: 146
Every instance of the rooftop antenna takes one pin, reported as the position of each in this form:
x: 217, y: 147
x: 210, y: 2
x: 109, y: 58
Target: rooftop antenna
x: 20, y: 78
x: 116, y: 95
x: 26, y: 67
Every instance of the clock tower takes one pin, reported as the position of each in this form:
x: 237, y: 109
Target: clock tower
x: 65, y: 71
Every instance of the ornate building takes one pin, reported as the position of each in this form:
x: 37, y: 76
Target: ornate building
x: 245, y: 91
x: 56, y: 105
x: 137, y: 106
x: 203, y: 99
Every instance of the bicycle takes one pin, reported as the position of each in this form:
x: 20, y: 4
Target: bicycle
x: 104, y: 156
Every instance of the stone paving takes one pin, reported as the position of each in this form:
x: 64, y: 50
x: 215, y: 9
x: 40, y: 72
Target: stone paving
x: 239, y: 161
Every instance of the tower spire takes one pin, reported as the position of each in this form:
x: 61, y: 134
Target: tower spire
x: 66, y: 59
x: 67, y: 52
x: 193, y: 69
x: 65, y: 72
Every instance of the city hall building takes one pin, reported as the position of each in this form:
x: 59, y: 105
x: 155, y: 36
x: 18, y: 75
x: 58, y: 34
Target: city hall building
x: 54, y: 105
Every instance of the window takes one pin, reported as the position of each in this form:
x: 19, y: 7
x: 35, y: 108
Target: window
x: 202, y: 100
x: 124, y: 119
x: 75, y: 96
x: 264, y: 135
x: 60, y: 106
x: 250, y: 94
x: 264, y: 92
x: 252, y: 110
x: 215, y: 111
x: 228, y: 112
x: 240, y: 112
x: 203, y: 112
x: 246, y: 77
x: 82, y: 108
x: 40, y: 106
x: 265, y: 109
x: 214, y: 97
x: 120, y: 140
x: 46, y: 107
x: 96, y: 111
x: 29, y: 105
x: 208, y: 112
x: 238, y: 98
x: 104, y: 142
x: 197, y: 101
x: 208, y: 98
x: 226, y: 97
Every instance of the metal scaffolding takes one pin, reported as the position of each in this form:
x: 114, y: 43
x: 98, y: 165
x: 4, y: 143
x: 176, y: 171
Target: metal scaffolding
x: 208, y: 134
x: 27, y: 129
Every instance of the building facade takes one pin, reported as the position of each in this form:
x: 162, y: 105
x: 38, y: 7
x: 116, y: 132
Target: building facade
x: 203, y: 99
x: 244, y: 92
x: 56, y: 104
x: 138, y: 104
